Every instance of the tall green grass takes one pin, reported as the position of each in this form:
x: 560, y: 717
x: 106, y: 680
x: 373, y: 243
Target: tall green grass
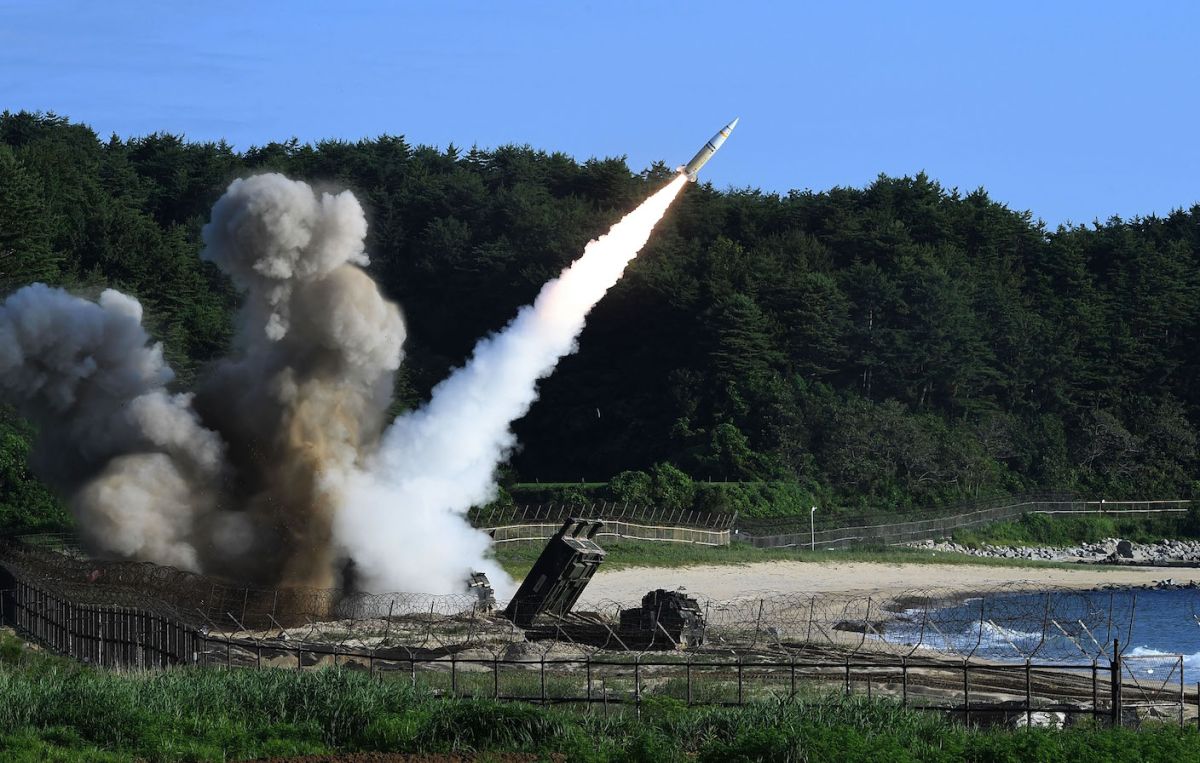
x: 51, y: 710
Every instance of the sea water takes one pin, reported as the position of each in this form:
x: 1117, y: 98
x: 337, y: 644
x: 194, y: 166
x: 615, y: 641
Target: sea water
x: 1153, y: 628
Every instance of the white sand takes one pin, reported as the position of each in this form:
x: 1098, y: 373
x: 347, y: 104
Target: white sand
x: 738, y: 580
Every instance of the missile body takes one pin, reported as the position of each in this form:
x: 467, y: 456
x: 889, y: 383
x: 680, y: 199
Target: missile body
x: 703, y: 155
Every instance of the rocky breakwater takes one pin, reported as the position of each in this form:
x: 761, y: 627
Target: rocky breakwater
x: 1107, y: 551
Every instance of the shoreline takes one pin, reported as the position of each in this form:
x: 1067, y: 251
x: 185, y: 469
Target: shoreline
x: 1162, y: 553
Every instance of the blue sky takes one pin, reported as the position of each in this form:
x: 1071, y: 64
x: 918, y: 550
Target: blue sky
x: 1073, y: 110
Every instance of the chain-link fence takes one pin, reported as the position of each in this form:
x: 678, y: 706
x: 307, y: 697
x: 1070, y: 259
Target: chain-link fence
x: 622, y: 521
x: 825, y: 530
x: 614, y: 531
x: 1006, y: 655
x: 841, y: 532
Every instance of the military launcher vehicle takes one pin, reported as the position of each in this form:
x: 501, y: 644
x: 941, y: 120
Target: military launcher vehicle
x: 543, y: 603
x: 559, y: 575
x: 666, y: 619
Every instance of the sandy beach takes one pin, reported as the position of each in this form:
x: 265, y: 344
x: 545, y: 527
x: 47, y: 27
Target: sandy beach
x: 735, y: 581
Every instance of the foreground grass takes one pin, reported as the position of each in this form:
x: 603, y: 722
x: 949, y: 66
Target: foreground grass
x: 517, y: 559
x: 50, y: 710
x: 1069, y: 530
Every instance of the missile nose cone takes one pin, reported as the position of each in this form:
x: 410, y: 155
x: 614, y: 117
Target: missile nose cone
x: 703, y: 155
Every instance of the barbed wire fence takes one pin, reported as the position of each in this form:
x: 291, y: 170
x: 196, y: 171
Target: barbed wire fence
x: 1006, y: 655
x: 842, y: 532
x: 823, y: 529
x: 532, y: 524
x: 557, y: 513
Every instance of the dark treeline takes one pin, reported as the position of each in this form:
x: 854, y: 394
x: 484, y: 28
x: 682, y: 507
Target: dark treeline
x: 891, y: 346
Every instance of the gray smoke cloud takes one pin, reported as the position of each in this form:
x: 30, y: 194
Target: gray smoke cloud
x: 304, y: 395
x: 270, y: 432
x: 139, y: 470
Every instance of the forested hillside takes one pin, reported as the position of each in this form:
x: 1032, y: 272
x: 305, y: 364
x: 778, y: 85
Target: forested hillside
x: 896, y: 345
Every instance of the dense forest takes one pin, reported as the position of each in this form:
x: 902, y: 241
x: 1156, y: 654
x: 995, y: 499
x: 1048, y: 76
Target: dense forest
x: 887, y: 347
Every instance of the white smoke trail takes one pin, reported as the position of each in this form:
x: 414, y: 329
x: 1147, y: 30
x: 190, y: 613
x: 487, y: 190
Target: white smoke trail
x: 404, y: 521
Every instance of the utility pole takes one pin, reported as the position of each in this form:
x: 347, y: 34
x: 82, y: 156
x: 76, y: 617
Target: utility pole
x: 812, y: 529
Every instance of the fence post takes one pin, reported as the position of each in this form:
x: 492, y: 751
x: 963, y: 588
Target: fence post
x: 1028, y: 695
x: 496, y: 676
x: 757, y: 624
x: 739, y: 674
x: 904, y: 682
x: 1115, y: 704
x: 793, y: 678
x: 966, y: 692
x: 689, y: 680
x: 1181, y: 691
x: 637, y: 684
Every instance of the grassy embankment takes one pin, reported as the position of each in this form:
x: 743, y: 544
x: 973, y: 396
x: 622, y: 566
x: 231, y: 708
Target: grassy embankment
x: 517, y: 559
x: 53, y: 710
x: 1070, y: 530
x: 1030, y: 530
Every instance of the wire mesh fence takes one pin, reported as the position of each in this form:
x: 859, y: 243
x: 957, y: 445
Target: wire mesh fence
x: 622, y: 511
x: 841, y: 532
x: 823, y: 530
x: 1001, y: 622
x: 615, y: 530
x: 1006, y: 655
x: 623, y: 521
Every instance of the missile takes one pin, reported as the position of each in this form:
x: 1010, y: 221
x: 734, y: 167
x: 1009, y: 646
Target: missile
x: 703, y: 155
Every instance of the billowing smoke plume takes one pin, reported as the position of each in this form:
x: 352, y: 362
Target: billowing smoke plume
x: 285, y: 418
x: 140, y: 471
x: 276, y: 471
x: 305, y: 393
x: 404, y: 519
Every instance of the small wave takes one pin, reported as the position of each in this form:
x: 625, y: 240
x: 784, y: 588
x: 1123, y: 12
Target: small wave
x: 1000, y: 633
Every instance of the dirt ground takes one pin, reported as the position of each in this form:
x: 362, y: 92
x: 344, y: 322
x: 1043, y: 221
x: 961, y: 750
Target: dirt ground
x: 734, y: 581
